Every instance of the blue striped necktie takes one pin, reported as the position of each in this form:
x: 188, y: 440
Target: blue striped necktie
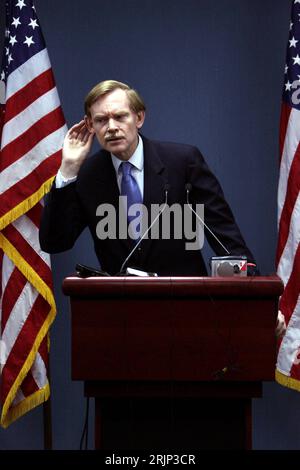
x: 129, y: 187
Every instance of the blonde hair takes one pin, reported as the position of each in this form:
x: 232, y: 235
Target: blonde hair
x: 136, y: 103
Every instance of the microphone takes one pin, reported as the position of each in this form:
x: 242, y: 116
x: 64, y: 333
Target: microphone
x: 87, y: 271
x: 188, y: 188
x: 166, y: 190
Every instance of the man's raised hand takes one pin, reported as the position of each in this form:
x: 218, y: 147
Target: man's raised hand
x: 76, y: 147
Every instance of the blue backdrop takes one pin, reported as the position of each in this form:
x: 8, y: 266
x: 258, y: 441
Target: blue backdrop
x: 211, y: 74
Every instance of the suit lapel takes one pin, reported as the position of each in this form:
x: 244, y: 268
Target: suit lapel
x: 105, y: 181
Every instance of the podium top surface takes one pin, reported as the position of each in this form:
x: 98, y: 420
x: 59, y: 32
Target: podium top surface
x: 121, y: 286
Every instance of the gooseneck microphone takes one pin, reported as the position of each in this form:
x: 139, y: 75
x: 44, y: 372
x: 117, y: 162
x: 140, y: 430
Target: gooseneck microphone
x: 166, y: 190
x: 188, y: 188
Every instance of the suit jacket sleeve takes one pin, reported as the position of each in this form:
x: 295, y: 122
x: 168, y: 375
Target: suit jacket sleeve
x: 62, y: 219
x: 217, y: 213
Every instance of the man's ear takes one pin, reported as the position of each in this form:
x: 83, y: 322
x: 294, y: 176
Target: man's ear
x: 88, y: 123
x: 140, y: 119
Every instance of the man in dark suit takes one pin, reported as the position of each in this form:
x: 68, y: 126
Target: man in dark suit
x: 159, y: 172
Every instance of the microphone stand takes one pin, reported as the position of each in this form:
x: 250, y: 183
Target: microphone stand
x: 188, y: 188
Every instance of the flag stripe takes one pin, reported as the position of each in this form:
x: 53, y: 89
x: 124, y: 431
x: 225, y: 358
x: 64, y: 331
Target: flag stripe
x: 290, y: 146
x: 39, y: 372
x: 288, y: 350
x: 43, y: 351
x: 35, y: 214
x: 289, y: 205
x: 1, y: 283
x: 12, y: 292
x: 23, y: 343
x: 25, y: 143
x: 284, y: 120
x: 295, y: 370
x: 7, y: 269
x: 27, y: 95
x: 28, y: 231
x: 18, y: 316
x: 290, y: 295
x: 29, y: 385
x: 284, y: 268
x: 18, y: 125
x: 27, y: 72
x: 31, y: 160
x: 27, y: 252
x: 19, y: 397
x: 23, y: 189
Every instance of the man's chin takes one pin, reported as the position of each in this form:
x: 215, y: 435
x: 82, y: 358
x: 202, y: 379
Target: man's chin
x: 115, y: 144
x: 118, y: 149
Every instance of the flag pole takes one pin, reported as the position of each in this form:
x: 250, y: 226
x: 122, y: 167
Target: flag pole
x: 47, y: 424
x: 47, y: 418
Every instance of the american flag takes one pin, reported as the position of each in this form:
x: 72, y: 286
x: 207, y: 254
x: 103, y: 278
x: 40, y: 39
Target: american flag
x: 288, y: 249
x: 32, y: 128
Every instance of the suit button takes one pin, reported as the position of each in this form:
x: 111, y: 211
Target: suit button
x: 139, y: 249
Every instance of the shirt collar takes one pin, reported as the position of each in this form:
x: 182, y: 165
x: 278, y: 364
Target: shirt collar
x: 137, y: 159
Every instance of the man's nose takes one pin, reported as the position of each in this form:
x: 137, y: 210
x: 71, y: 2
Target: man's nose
x: 111, y: 125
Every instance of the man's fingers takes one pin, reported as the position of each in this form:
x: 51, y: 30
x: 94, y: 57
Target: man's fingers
x: 88, y: 135
x: 75, y: 130
x: 83, y: 135
x: 281, y: 325
x: 77, y: 126
x: 79, y: 133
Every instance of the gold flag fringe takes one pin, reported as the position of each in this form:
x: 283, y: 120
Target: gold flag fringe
x: 26, y: 205
x: 287, y: 381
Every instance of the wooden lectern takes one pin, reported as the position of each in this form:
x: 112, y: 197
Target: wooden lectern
x: 173, y: 362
